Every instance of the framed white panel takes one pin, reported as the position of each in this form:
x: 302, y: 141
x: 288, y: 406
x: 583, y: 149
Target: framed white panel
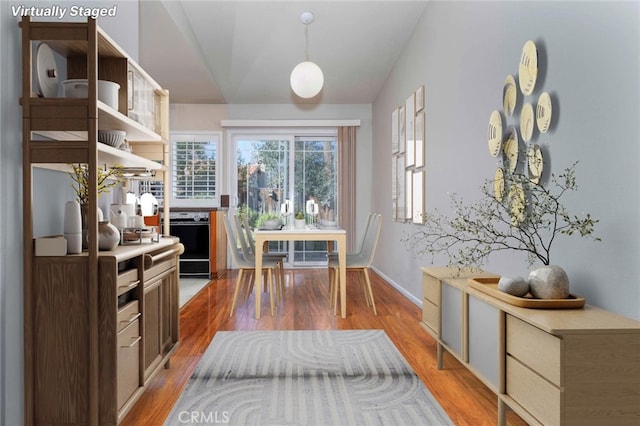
x: 410, y: 117
x: 409, y: 192
x: 394, y: 188
x: 420, y: 144
x: 402, y: 134
x: 402, y: 194
x: 418, y: 196
x: 394, y: 132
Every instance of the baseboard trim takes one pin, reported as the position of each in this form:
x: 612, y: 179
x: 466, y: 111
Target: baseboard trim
x: 398, y: 287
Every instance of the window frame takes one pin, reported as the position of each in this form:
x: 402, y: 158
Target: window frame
x: 212, y: 136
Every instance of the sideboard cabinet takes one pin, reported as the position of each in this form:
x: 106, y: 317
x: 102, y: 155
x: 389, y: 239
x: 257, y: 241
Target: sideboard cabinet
x: 550, y: 366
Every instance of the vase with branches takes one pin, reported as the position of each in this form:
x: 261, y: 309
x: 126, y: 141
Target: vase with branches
x: 530, y: 222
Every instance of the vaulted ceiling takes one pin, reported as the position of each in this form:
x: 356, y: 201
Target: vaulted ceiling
x: 242, y: 52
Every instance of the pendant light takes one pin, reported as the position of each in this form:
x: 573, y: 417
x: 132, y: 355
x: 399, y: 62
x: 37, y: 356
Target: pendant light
x: 306, y: 78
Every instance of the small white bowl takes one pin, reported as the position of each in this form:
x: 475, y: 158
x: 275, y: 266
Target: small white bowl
x: 113, y: 138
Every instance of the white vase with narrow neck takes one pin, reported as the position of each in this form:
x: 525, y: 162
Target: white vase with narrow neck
x: 73, y: 227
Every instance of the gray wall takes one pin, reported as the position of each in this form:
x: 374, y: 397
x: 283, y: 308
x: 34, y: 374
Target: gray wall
x: 589, y: 61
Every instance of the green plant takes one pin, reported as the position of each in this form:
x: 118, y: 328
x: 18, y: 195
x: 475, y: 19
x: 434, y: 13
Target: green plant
x: 299, y: 215
x: 529, y: 223
x: 264, y: 217
x: 80, y: 177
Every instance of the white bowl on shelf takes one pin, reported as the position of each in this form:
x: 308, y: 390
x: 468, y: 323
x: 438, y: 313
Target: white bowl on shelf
x: 113, y: 138
x: 79, y: 88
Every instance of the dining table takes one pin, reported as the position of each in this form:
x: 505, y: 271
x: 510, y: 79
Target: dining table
x: 339, y: 235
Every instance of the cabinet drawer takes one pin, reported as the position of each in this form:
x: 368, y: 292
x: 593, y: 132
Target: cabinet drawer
x: 127, y: 280
x: 431, y: 289
x: 128, y: 314
x: 158, y: 269
x: 533, y: 393
x: 128, y: 362
x: 431, y: 316
x: 538, y: 350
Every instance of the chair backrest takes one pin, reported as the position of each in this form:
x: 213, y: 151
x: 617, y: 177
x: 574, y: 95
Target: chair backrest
x: 366, y: 232
x: 370, y: 241
x: 247, y: 229
x: 246, y: 251
x: 232, y: 239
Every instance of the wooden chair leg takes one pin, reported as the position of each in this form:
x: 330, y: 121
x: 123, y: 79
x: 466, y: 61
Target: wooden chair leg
x: 336, y: 290
x: 366, y: 277
x: 270, y: 273
x: 236, y: 291
x: 364, y: 288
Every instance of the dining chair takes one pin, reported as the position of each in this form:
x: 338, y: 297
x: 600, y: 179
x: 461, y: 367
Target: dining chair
x: 246, y: 266
x: 277, y: 256
x: 360, y: 261
x: 248, y: 253
x: 334, y: 256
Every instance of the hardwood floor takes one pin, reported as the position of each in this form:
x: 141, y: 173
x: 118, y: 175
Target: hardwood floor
x: 466, y: 400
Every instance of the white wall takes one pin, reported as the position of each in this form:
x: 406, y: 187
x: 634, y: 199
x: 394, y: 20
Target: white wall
x: 589, y: 61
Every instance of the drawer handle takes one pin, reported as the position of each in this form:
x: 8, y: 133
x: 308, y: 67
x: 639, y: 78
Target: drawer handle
x: 132, y: 284
x: 134, y: 340
x: 131, y: 319
x: 150, y: 260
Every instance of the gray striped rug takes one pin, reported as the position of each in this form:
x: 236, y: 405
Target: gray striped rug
x: 347, y: 377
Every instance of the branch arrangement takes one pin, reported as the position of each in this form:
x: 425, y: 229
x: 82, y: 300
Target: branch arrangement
x: 80, y: 177
x: 528, y: 220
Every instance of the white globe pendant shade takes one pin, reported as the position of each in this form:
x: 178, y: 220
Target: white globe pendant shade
x: 306, y: 79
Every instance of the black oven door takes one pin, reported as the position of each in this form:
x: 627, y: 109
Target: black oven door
x: 194, y: 262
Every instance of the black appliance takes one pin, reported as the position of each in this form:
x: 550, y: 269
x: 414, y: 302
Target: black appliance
x: 192, y: 227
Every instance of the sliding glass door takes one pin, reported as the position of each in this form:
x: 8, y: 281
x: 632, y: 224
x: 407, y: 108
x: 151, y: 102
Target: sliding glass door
x: 273, y: 169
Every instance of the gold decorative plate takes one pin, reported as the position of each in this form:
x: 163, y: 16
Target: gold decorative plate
x: 526, y: 122
x: 536, y: 163
x: 511, y: 150
x: 494, y: 133
x: 498, y: 185
x: 509, y: 95
x: 528, y: 68
x: 543, y: 112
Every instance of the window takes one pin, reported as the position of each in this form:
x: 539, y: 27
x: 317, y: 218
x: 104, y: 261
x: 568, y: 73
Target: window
x: 194, y: 168
x: 272, y: 168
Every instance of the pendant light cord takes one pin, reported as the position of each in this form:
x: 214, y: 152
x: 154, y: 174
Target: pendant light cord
x: 306, y: 42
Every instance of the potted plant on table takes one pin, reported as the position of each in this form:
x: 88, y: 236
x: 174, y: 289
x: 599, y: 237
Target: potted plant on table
x: 269, y: 220
x: 299, y: 222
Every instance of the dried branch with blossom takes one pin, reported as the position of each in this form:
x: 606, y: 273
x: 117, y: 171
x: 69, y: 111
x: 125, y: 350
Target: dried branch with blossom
x: 529, y: 222
x: 80, y: 177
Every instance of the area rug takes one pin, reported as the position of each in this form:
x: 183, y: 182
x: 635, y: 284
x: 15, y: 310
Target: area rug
x: 329, y: 377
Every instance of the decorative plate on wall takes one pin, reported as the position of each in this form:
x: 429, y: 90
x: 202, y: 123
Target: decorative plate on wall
x: 498, y: 185
x: 526, y: 122
x: 511, y: 150
x: 536, y: 163
x: 543, y: 112
x: 46, y: 72
x: 509, y: 95
x: 494, y: 133
x: 528, y: 68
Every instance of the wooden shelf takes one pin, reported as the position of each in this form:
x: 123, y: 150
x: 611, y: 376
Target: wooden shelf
x: 108, y: 119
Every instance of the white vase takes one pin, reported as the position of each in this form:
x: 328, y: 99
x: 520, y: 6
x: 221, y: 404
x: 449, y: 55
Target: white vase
x: 72, y: 219
x: 108, y: 236
x: 299, y: 223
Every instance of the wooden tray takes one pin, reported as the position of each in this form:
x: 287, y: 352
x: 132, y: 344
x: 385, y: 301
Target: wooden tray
x: 490, y: 287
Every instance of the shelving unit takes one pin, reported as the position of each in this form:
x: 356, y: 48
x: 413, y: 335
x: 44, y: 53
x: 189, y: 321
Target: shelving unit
x: 97, y: 325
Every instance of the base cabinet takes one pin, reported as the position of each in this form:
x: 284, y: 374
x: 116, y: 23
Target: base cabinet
x: 66, y: 392
x: 552, y: 367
